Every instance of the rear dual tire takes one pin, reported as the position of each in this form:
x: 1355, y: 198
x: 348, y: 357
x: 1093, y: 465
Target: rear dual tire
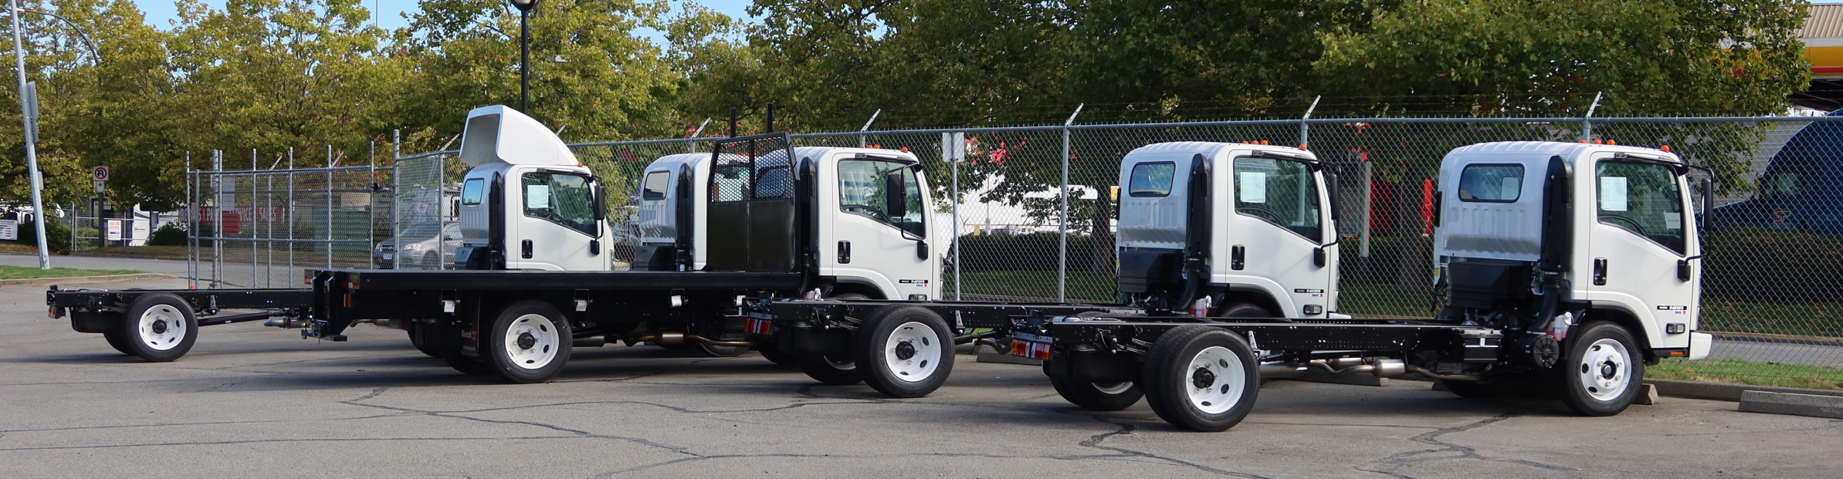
x: 1201, y: 378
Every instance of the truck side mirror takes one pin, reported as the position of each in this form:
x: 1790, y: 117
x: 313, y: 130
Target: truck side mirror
x: 601, y: 202
x: 1708, y: 203
x: 895, y: 197
x: 1331, y: 192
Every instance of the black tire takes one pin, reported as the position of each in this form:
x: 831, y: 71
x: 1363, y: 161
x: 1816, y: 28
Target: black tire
x: 1169, y: 378
x: 468, y: 365
x: 159, y: 327
x: 904, y: 351
x: 1477, y: 389
x: 116, y: 341
x: 417, y: 333
x: 718, y: 351
x: 1591, y: 356
x: 1244, y: 310
x: 836, y: 370
x: 1097, y: 397
x: 771, y: 351
x: 529, y: 342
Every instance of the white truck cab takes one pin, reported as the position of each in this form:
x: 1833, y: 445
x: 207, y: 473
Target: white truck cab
x: 874, y: 236
x: 1613, y: 227
x: 1265, y: 223
x: 526, y: 202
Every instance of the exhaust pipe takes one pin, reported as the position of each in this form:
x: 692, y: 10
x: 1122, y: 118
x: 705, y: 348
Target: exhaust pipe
x: 1382, y: 368
x: 285, y: 323
x: 589, y: 342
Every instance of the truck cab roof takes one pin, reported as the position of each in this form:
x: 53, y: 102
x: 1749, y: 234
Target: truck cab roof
x: 499, y: 133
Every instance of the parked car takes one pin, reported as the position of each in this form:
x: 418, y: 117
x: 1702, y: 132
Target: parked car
x: 422, y: 240
x: 1802, y: 189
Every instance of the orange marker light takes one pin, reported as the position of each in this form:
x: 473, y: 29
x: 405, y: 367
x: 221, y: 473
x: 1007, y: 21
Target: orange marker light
x: 1611, y: 142
x: 1666, y: 148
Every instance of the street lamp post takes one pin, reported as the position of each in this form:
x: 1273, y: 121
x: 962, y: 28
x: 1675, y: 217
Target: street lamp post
x: 524, y: 53
x: 37, y: 182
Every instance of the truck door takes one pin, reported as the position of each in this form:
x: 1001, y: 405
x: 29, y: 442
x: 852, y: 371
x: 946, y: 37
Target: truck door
x: 1638, y: 236
x: 551, y: 222
x: 1275, y: 231
x: 878, y: 242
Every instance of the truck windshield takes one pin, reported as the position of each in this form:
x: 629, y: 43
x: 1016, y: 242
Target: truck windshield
x: 562, y: 199
x: 863, y: 189
x: 1281, y: 192
x: 1642, y: 198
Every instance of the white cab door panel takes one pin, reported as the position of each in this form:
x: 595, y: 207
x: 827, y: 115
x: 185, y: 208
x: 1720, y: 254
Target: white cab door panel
x: 870, y: 241
x: 1273, y: 223
x: 550, y: 221
x: 1638, y: 233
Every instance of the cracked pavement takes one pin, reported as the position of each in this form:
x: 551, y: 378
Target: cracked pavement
x: 254, y: 401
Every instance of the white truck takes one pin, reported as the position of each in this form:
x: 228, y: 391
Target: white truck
x: 1228, y: 259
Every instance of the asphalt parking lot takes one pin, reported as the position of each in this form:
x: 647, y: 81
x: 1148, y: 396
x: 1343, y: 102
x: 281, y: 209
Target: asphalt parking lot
x: 250, y: 401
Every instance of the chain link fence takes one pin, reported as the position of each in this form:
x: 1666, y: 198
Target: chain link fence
x: 263, y: 228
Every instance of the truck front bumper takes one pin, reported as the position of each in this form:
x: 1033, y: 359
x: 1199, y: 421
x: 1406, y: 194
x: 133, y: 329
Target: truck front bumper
x: 1699, y: 345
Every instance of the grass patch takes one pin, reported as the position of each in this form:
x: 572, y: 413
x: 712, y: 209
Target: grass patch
x: 1735, y: 371
x: 1381, y: 300
x: 1821, y: 319
x: 24, y: 272
x: 154, y: 252
x: 21, y: 248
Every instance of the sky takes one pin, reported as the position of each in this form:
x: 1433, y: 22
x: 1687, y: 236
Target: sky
x: 161, y: 13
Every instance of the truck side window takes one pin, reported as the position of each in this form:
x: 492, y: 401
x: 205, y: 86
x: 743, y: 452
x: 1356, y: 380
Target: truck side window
x: 1281, y: 192
x: 560, y: 198
x: 1642, y: 198
x: 1151, y: 179
x: 1491, y: 183
x: 863, y: 187
x: 655, y: 186
x: 473, y: 191
x: 1783, y: 184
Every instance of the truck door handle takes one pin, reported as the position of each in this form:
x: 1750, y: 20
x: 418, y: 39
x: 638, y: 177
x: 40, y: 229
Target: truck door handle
x: 524, y: 248
x: 844, y: 252
x: 1238, y: 256
x: 1599, y: 271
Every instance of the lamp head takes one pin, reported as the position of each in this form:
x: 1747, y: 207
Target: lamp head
x: 524, y: 5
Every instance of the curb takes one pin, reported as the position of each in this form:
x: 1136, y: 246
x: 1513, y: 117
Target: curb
x: 1810, y: 405
x: 82, y: 279
x: 1726, y: 392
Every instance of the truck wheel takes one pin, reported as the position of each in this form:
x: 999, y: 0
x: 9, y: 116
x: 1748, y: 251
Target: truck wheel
x: 1477, y: 389
x: 905, y: 351
x: 417, y: 333
x: 1601, y: 371
x: 1201, y: 378
x: 771, y: 350
x: 528, y: 343
x: 717, y: 351
x: 834, y: 370
x: 160, y: 327
x: 116, y: 341
x: 1244, y: 310
x: 1096, y: 396
x: 468, y: 365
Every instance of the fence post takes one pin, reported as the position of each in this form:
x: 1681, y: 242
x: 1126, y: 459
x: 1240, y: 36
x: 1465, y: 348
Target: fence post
x: 1587, y: 121
x: 396, y: 186
x: 1062, y: 256
x: 873, y: 119
x: 191, y: 228
x: 953, y: 150
x: 217, y: 250
x: 327, y: 189
x: 1363, y: 235
x: 371, y: 206
x: 254, y: 254
x: 290, y: 215
x: 691, y: 142
x: 1305, y: 129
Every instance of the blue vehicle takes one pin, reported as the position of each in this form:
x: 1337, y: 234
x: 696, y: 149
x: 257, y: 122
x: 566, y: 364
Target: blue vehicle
x: 1802, y: 187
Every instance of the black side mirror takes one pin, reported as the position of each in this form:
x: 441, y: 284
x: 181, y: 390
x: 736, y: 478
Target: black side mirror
x: 601, y: 203
x: 1708, y: 203
x: 896, y: 197
x: 1331, y: 192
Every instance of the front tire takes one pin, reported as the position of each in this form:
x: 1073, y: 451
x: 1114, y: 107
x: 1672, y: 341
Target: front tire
x: 159, y: 327
x: 528, y: 343
x: 1602, y: 371
x: 1201, y: 378
x: 905, y: 351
